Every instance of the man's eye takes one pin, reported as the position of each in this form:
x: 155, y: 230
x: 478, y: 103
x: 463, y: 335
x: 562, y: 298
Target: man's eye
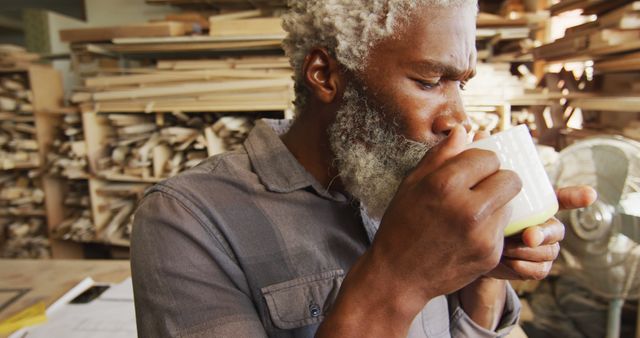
x: 428, y: 84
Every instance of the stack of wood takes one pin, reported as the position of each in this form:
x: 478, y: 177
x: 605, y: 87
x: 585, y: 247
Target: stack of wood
x: 22, y: 221
x: 616, y: 30
x: 144, y: 148
x: 231, y: 131
x: 504, y: 39
x: 194, y: 31
x: 18, y: 145
x: 116, y: 208
x: 68, y: 155
x: 222, y: 4
x: 487, y: 96
x: 215, y: 85
x: 15, y: 57
x: 25, y: 238
x: 78, y: 224
x: 20, y: 195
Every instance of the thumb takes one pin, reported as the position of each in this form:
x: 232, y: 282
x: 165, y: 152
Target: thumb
x: 451, y: 146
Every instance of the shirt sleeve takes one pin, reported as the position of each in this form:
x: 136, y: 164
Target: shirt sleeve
x: 186, y: 284
x: 462, y: 326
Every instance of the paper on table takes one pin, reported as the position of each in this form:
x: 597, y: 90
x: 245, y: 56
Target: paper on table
x: 98, y: 319
x: 112, y: 315
x: 122, y: 291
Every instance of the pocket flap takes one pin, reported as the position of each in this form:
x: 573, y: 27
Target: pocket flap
x: 302, y: 301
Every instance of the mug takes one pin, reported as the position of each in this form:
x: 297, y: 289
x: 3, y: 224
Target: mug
x: 537, y: 201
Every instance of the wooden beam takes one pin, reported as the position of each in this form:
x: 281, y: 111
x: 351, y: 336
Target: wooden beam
x: 186, y: 89
x: 108, y: 33
x: 260, y: 26
x: 109, y: 81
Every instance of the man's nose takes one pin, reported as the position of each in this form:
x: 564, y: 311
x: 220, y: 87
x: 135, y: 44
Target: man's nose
x: 444, y: 123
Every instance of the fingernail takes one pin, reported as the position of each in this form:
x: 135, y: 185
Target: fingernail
x: 538, y: 238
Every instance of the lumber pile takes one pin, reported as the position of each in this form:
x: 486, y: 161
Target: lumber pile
x: 24, y: 238
x: 20, y: 195
x: 488, y: 94
x: 68, y: 154
x: 18, y: 145
x: 22, y: 217
x: 78, y: 224
x: 616, y: 30
x: 215, y: 85
x: 222, y: 4
x: 190, y: 31
x: 116, y: 208
x: 145, y: 148
x: 15, y: 57
x: 505, y: 39
x: 156, y: 29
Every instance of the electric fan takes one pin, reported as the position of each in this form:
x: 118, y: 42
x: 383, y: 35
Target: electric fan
x: 601, y: 248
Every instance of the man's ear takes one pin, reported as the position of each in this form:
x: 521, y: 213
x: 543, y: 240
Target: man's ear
x: 322, y: 75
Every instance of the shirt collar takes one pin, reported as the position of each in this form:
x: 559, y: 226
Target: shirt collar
x: 275, y: 165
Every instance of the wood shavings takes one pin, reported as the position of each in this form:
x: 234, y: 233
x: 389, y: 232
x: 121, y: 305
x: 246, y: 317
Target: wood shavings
x: 68, y: 154
x: 25, y: 238
x: 18, y: 146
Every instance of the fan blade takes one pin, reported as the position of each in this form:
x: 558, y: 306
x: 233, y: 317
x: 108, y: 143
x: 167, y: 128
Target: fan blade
x: 629, y: 226
x: 612, y: 166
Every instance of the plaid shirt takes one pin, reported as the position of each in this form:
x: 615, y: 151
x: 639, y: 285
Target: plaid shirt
x: 249, y: 244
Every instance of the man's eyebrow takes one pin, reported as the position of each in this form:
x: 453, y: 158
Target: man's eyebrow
x: 442, y: 69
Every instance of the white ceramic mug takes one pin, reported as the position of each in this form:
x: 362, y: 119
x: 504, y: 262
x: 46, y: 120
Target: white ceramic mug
x: 537, y: 200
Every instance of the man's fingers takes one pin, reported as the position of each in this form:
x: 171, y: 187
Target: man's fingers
x: 497, y: 190
x: 443, y: 151
x: 526, y: 270
x: 576, y: 197
x: 543, y: 253
x: 550, y: 232
x: 481, y: 134
x: 467, y: 169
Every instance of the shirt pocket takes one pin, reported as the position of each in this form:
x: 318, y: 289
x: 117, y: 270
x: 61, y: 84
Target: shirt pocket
x: 302, y: 301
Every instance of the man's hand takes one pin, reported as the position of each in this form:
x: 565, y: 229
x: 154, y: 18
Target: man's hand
x: 530, y: 254
x: 443, y: 229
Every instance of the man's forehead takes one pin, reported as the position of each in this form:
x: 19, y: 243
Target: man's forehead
x: 443, y: 68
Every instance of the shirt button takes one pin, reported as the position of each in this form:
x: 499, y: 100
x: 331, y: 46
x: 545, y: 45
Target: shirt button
x: 314, y: 310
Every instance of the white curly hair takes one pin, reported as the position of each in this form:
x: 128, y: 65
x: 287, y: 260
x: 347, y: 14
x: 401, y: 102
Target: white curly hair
x: 348, y: 29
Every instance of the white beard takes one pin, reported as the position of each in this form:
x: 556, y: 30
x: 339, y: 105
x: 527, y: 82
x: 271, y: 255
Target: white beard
x: 372, y: 157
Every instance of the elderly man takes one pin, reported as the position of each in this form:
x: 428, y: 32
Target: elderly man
x: 364, y: 217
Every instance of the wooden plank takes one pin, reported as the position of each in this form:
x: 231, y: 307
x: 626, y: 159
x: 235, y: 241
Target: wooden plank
x: 245, y: 63
x: 197, y: 106
x: 583, y: 29
x: 108, y: 33
x: 563, y: 47
x: 600, y: 7
x: 623, y: 104
x: 630, y: 62
x: 236, y: 15
x: 109, y: 81
x: 189, y: 17
x: 491, y: 20
x: 625, y: 46
x: 260, y: 26
x: 187, y: 47
x: 186, y: 89
x: 567, y: 5
x: 625, y: 17
x: 197, y: 38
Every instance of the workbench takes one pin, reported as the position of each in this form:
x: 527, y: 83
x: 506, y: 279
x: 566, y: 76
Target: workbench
x: 28, y: 281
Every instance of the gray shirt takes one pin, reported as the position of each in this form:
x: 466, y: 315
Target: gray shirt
x: 249, y: 244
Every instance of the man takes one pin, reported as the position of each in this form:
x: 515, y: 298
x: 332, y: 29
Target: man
x: 364, y: 218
